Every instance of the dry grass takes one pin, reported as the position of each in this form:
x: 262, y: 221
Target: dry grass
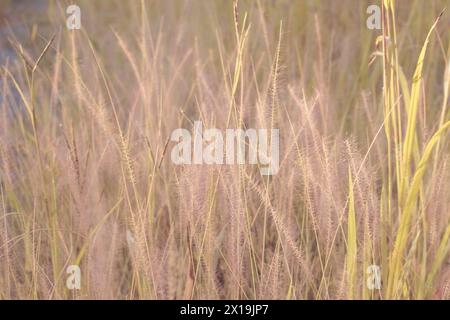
x: 86, y: 176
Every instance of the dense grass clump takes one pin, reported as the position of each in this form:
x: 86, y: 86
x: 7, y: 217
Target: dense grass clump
x: 86, y: 176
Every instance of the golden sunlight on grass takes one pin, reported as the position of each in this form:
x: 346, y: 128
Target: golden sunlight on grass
x: 359, y: 207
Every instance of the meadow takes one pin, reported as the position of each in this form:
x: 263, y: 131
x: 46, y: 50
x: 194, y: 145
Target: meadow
x: 359, y: 207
